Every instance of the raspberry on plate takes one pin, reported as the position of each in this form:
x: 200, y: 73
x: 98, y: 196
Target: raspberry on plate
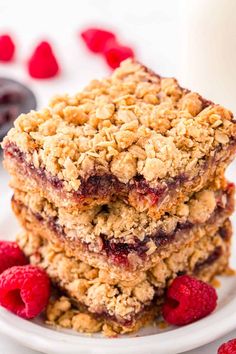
x: 24, y: 290
x: 96, y: 39
x: 11, y: 255
x: 7, y: 48
x: 43, y: 63
x: 188, y: 300
x: 228, y: 348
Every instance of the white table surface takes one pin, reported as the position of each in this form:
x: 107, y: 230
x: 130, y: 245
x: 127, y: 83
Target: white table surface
x: 151, y: 28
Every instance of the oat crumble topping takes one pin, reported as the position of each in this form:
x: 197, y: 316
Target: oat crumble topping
x: 133, y: 122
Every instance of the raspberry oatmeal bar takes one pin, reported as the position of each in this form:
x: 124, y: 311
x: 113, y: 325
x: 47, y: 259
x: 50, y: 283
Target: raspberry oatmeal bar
x: 128, y: 305
x: 119, y: 190
x: 101, y: 238
x: 134, y: 135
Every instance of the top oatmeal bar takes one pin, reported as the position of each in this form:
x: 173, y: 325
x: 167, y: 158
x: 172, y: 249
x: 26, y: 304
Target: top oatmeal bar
x: 134, y: 135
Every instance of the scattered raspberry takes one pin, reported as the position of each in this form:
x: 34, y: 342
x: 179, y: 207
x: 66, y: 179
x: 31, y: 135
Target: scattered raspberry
x: 115, y: 53
x: 11, y: 255
x: 24, y: 290
x: 188, y: 300
x: 7, y: 48
x: 228, y: 348
x: 43, y: 63
x: 96, y: 39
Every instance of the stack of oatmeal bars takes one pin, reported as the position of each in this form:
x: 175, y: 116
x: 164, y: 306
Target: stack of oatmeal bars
x: 120, y: 189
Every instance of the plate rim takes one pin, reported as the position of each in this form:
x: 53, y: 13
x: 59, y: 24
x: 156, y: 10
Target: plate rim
x: 28, y: 333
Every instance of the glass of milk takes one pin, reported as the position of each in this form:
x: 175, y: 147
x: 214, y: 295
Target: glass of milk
x: 207, y: 58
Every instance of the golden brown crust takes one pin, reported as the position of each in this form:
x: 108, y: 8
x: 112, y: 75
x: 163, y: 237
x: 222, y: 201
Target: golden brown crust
x: 108, y: 220
x: 122, y: 304
x: 131, y: 124
x: 83, y: 234
x: 187, y: 256
x: 62, y: 313
x: 155, y: 154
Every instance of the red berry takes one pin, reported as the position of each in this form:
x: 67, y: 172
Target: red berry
x: 7, y: 48
x: 11, y: 255
x: 228, y: 348
x: 24, y: 290
x: 43, y: 63
x: 188, y: 300
x: 96, y: 39
x: 115, y: 53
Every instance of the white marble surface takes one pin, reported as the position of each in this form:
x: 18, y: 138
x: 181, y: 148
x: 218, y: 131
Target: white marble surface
x: 150, y: 26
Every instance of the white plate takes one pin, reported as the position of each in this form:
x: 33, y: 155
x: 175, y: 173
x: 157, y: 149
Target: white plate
x: 36, y: 335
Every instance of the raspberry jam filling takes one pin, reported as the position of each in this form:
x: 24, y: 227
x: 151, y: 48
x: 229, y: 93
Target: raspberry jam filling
x: 106, y: 185
x: 98, y: 186
x: 94, y: 186
x: 211, y: 259
x: 119, y: 252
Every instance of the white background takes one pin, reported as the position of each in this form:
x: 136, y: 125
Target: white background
x: 150, y: 26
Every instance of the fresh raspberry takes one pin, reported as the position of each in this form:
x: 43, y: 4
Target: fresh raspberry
x: 43, y: 63
x: 24, y: 290
x: 7, y: 48
x: 96, y: 38
x: 228, y: 348
x: 11, y: 255
x: 188, y: 300
x: 115, y: 53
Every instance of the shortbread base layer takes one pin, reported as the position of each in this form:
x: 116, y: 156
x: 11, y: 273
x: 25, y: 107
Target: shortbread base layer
x: 123, y: 306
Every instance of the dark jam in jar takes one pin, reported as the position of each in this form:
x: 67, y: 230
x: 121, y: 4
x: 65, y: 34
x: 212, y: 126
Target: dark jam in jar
x: 15, y: 98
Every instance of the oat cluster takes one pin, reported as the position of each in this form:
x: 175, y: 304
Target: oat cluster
x: 133, y: 122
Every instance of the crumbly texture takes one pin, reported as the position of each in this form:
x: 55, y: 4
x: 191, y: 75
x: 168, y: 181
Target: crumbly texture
x: 155, y: 202
x: 108, y: 220
x: 155, y: 155
x: 123, y: 303
x: 99, y: 293
x: 131, y: 124
x: 62, y: 312
x: 129, y: 265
